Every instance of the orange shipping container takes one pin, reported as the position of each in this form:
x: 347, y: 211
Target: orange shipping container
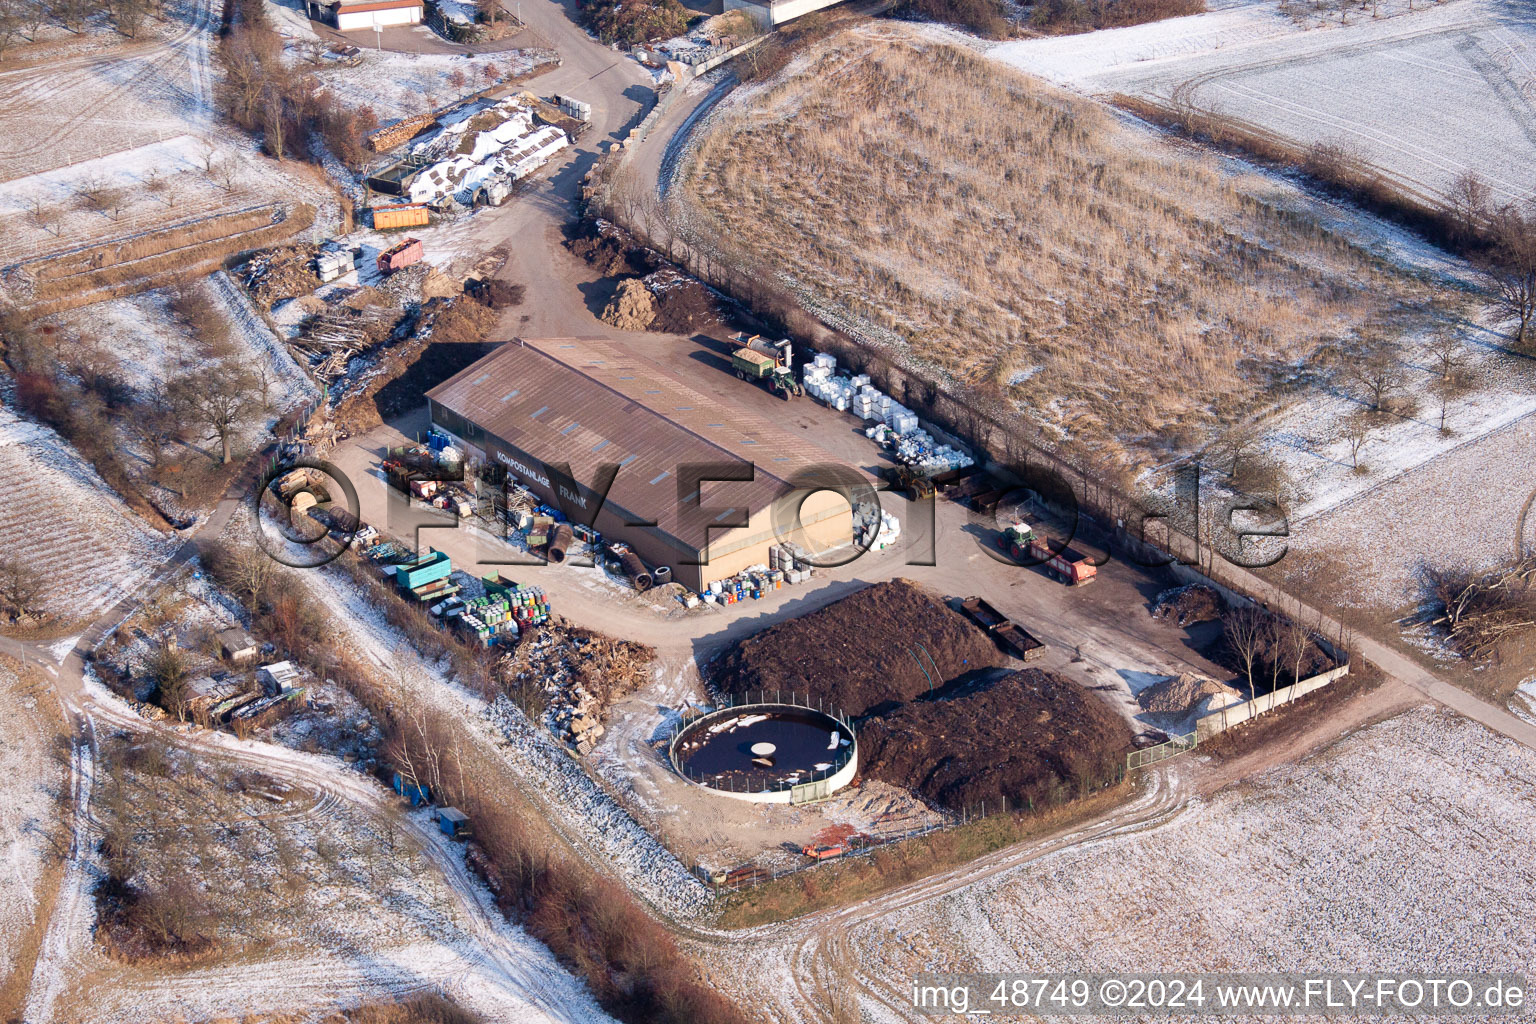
x: 399, y: 216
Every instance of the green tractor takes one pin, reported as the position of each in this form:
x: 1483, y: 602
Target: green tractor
x: 769, y: 363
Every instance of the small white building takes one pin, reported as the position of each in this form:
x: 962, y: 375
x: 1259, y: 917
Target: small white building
x: 363, y: 15
x: 278, y: 676
x: 773, y: 13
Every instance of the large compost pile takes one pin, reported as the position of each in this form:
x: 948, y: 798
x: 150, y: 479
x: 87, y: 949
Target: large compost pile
x: 1033, y: 737
x: 871, y: 652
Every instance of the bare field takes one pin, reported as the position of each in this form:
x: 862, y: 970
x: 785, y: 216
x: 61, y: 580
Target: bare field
x: 1337, y: 863
x: 1124, y: 294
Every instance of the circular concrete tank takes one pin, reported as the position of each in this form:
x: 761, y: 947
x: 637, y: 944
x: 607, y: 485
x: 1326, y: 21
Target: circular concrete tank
x: 767, y: 753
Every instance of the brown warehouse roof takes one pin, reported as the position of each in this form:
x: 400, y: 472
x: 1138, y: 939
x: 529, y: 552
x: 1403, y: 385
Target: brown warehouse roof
x: 587, y: 401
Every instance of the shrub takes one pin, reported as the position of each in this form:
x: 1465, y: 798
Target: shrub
x: 630, y: 22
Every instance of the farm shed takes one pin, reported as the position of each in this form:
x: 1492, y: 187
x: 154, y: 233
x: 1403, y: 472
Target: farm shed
x: 236, y: 645
x: 453, y: 822
x: 278, y: 676
x: 352, y: 15
x: 400, y: 215
x: 694, y: 483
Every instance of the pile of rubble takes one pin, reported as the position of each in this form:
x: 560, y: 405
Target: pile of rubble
x: 281, y: 273
x: 1189, y: 605
x: 582, y: 673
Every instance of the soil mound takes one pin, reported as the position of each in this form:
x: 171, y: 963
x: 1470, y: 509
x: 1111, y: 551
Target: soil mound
x: 684, y: 304
x: 1189, y: 605
x: 887, y: 644
x: 1187, y: 692
x: 1032, y: 737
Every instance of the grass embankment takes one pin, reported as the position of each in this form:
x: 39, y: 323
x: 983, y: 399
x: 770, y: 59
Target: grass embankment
x: 1126, y: 295
x: 860, y: 878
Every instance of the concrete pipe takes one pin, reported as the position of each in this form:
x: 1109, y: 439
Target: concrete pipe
x: 559, y: 542
x: 632, y: 567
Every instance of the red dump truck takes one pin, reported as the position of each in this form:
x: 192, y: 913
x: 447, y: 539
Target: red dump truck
x: 402, y: 254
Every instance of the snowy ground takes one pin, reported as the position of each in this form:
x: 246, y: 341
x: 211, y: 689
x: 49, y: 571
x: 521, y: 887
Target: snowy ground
x: 1464, y: 508
x: 1423, y: 95
x: 1403, y: 847
x: 33, y: 784
x: 328, y: 902
x: 59, y: 515
x: 398, y: 85
x: 578, y: 806
x: 153, y: 349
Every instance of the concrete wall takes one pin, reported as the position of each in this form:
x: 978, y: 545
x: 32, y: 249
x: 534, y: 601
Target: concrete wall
x: 806, y: 792
x: 1220, y: 721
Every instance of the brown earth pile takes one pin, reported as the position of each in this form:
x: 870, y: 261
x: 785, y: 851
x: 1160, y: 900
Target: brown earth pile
x: 1189, y: 605
x: 887, y: 644
x: 1032, y: 737
x: 683, y: 304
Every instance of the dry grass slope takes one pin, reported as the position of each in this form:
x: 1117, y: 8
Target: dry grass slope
x: 1026, y: 243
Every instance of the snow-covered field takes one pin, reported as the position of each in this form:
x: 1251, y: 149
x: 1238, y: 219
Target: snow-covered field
x: 1424, y: 95
x: 325, y: 896
x: 95, y: 104
x: 1462, y: 509
x: 1404, y: 847
x: 32, y: 788
x: 60, y: 516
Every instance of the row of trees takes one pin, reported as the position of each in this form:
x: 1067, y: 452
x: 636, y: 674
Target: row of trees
x: 283, y: 104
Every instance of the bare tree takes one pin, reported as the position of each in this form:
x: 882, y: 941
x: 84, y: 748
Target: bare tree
x: 129, y: 15
x: 1244, y: 630
x: 20, y: 584
x: 226, y: 173
x: 32, y: 14
x: 1237, y: 441
x: 1357, y: 430
x: 1376, y: 371
x: 1446, y: 353
x: 1468, y: 203
x: 45, y: 215
x: 91, y: 193
x: 220, y: 400
x: 11, y: 23
x: 1511, y: 271
x: 1295, y: 642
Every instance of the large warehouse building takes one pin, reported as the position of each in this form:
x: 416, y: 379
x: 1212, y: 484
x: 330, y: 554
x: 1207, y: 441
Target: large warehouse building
x: 555, y: 411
